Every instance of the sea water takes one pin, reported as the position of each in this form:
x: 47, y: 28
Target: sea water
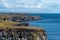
x: 51, y: 24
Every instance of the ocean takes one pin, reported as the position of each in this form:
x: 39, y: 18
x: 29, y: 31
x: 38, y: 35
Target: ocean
x: 49, y: 22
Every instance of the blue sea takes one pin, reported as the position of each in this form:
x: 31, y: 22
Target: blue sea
x: 51, y: 24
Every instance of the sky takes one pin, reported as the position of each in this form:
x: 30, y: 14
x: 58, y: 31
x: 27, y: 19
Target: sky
x: 30, y: 6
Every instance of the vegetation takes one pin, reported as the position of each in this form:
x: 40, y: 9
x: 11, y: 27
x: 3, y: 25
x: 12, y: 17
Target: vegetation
x: 6, y: 24
x: 10, y: 24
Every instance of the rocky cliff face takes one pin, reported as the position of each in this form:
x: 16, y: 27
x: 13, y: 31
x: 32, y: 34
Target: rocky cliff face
x: 18, y: 18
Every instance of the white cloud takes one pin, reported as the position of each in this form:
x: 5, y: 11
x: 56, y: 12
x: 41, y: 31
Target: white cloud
x: 34, y: 6
x: 5, y: 4
x: 18, y: 1
x: 50, y: 1
x: 41, y: 5
x: 22, y: 4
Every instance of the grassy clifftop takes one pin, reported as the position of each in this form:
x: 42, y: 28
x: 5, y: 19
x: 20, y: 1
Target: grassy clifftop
x: 5, y: 21
x: 6, y: 24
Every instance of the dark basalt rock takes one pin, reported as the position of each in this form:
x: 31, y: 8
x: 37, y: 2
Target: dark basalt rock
x: 18, y: 18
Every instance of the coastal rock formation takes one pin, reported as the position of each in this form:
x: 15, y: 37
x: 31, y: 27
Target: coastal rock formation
x: 15, y: 28
x: 18, y: 18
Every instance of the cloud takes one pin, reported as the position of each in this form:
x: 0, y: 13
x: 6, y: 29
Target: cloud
x: 5, y: 4
x: 51, y: 1
x: 28, y: 4
x: 31, y: 5
x: 18, y: 1
x: 22, y: 4
x: 34, y: 6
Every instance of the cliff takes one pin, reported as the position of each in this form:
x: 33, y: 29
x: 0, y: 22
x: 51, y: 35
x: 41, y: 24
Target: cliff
x: 18, y: 18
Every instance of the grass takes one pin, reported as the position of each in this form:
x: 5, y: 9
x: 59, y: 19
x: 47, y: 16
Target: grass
x: 7, y: 24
